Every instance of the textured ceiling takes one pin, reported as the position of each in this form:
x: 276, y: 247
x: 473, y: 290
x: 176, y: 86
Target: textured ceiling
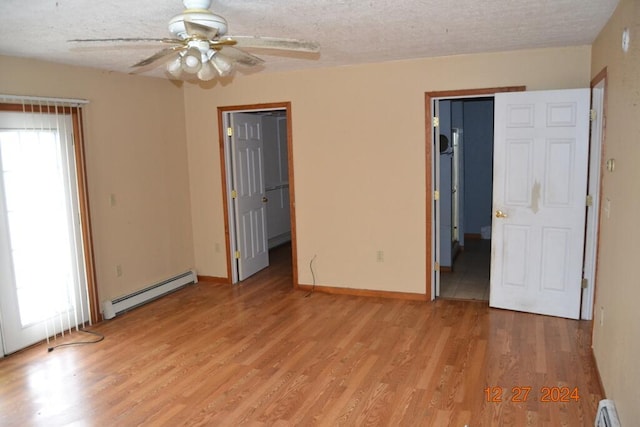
x: 348, y: 31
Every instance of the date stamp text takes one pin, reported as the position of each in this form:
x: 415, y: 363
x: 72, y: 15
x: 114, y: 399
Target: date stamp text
x: 522, y: 394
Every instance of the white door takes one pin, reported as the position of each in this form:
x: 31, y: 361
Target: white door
x: 249, y: 197
x: 541, y: 144
x: 42, y: 280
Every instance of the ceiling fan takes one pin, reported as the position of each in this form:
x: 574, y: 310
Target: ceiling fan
x: 201, y: 47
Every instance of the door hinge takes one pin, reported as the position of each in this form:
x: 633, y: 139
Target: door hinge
x: 589, y: 200
x: 592, y: 115
x: 436, y: 195
x: 585, y: 283
x: 234, y: 194
x: 229, y: 131
x: 237, y: 255
x: 436, y: 266
x: 436, y: 122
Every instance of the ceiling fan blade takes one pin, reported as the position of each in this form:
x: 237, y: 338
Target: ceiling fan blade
x: 134, y: 39
x: 276, y: 43
x: 241, y: 57
x: 199, y: 30
x: 158, y: 55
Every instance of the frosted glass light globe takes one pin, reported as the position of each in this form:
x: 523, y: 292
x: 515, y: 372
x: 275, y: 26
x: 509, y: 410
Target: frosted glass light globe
x: 207, y: 72
x: 191, y: 61
x: 175, y: 67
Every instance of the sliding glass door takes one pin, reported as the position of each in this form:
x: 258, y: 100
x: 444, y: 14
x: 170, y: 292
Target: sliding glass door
x: 42, y: 279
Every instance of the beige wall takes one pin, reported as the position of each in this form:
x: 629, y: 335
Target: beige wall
x: 358, y: 136
x: 616, y: 342
x: 359, y: 157
x: 135, y: 149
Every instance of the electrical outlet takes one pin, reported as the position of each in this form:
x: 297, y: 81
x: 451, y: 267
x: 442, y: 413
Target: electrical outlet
x: 217, y: 247
x: 380, y: 256
x: 112, y: 200
x: 118, y: 270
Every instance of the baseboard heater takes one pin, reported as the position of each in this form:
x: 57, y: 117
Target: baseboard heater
x: 607, y: 415
x: 143, y: 296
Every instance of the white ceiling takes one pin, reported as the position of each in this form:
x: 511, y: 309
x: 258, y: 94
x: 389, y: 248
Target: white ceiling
x: 348, y: 31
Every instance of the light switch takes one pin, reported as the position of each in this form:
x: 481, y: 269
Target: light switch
x: 611, y: 165
x: 626, y: 40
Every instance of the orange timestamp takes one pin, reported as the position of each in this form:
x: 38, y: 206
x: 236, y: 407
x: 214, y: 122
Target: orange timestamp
x: 521, y: 394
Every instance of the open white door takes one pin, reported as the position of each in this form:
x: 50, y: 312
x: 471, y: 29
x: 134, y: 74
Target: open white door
x: 249, y: 196
x: 541, y: 142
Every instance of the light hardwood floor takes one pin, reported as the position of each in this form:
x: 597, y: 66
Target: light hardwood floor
x: 264, y: 354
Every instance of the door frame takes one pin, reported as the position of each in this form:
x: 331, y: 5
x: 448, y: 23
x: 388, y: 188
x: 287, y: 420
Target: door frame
x: 592, y: 228
x: 429, y: 98
x: 224, y: 114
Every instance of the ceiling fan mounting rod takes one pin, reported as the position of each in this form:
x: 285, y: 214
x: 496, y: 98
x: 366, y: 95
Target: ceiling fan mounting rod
x: 197, y: 4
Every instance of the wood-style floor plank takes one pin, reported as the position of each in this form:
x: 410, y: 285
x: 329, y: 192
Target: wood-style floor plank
x: 262, y: 354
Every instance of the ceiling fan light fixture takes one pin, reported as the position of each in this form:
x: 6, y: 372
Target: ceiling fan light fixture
x: 191, y: 62
x: 222, y: 65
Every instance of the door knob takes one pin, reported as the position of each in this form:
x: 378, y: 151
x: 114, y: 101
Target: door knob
x: 264, y: 200
x: 500, y: 214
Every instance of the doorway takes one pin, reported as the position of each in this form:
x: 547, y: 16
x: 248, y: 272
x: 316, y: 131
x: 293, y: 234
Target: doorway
x: 433, y: 218
x: 594, y: 201
x: 539, y: 180
x: 258, y: 191
x: 466, y: 181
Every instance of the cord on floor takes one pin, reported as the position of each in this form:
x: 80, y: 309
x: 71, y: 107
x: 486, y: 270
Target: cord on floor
x: 313, y: 275
x: 69, y: 344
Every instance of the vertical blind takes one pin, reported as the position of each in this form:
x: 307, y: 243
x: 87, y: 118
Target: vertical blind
x: 45, y: 241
